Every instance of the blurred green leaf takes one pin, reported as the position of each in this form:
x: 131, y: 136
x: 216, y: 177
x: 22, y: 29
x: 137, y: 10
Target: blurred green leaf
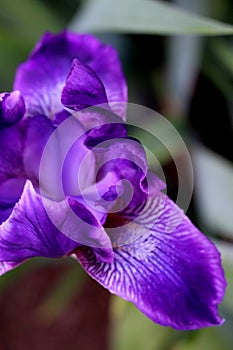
x: 131, y: 330
x: 228, y: 268
x: 222, y: 80
x: 144, y: 16
x: 214, y: 189
x: 218, y: 65
x: 22, y: 23
x: 223, y: 51
x: 26, y: 19
x: 183, y: 60
x: 208, y: 339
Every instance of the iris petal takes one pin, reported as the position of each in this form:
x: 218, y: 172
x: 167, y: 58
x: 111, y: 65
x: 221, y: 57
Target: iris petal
x: 83, y: 88
x: 12, y: 175
x: 126, y: 158
x: 12, y: 108
x: 30, y: 232
x: 37, y: 132
x: 42, y: 78
x: 164, y: 265
x: 11, y: 149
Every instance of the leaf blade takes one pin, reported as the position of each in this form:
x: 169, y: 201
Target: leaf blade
x: 144, y: 16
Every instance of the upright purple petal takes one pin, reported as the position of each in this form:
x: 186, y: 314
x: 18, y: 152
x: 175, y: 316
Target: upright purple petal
x: 164, y: 265
x: 42, y: 78
x: 83, y: 88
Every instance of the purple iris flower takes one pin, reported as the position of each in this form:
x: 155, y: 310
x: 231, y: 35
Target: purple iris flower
x: 66, y: 117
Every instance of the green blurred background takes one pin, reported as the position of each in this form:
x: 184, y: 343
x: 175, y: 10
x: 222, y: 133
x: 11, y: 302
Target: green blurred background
x: 181, y: 67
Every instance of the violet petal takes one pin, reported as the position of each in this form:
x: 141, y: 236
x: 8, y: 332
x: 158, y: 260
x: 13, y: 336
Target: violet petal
x: 42, y: 78
x: 83, y: 88
x: 37, y: 132
x: 173, y: 276
x: 12, y: 108
x: 127, y: 159
x: 12, y: 176
x: 30, y: 232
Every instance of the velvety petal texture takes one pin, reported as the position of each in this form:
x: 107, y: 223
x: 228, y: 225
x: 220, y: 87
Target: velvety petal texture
x: 164, y: 265
x: 42, y: 78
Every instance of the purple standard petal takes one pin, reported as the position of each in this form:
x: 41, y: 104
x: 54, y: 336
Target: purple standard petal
x: 29, y: 231
x: 164, y: 265
x: 83, y: 88
x: 12, y: 108
x: 42, y: 78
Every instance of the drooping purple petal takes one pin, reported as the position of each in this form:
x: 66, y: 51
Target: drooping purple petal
x: 42, y: 78
x: 12, y: 108
x: 83, y: 88
x: 30, y: 232
x: 88, y: 222
x: 164, y: 265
